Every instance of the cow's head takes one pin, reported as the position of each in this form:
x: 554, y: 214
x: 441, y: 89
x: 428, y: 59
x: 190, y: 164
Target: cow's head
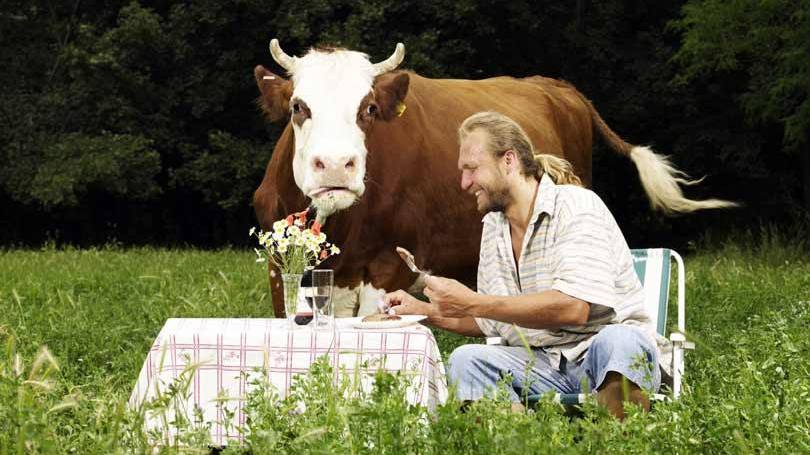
x: 332, y: 101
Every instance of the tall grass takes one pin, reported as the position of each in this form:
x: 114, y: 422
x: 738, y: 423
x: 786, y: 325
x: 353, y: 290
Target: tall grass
x: 76, y: 326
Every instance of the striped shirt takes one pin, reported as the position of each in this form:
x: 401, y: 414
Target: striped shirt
x: 573, y: 245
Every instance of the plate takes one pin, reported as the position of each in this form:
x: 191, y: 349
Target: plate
x: 407, y: 319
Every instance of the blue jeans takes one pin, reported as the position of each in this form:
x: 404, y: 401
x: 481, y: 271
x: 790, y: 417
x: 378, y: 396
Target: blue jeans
x: 476, y: 369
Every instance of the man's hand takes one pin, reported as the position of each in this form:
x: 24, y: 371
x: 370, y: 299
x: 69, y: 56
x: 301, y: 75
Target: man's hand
x: 403, y: 303
x: 452, y: 299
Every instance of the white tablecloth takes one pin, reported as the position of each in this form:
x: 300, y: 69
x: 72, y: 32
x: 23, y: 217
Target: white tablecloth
x: 226, y: 348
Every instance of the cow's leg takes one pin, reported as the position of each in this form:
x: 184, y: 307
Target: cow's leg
x: 360, y: 301
x: 345, y: 301
x: 385, y: 273
x: 369, y: 299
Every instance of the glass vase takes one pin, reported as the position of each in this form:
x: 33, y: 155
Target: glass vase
x: 292, y: 284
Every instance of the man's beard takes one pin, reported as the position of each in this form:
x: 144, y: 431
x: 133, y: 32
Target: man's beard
x: 498, y: 201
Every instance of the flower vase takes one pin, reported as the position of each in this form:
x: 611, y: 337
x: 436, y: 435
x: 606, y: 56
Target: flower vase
x: 292, y: 283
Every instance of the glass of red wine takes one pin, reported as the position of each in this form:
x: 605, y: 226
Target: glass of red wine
x: 320, y: 298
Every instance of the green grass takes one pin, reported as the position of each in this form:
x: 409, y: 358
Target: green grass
x: 97, y: 311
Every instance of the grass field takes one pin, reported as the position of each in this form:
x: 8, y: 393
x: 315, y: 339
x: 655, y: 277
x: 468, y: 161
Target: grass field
x: 97, y: 311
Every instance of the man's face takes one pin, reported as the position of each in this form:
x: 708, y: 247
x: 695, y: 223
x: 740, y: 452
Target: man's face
x: 482, y: 174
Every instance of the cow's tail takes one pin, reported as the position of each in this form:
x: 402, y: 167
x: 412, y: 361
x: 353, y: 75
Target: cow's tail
x: 659, y: 177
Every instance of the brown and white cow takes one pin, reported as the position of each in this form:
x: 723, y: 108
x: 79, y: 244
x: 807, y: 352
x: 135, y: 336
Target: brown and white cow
x: 381, y: 177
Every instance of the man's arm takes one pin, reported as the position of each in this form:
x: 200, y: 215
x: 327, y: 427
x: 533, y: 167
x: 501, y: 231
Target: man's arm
x: 544, y: 310
x: 404, y: 303
x: 462, y: 326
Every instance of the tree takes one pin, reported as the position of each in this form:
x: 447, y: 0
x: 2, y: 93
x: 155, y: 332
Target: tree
x: 66, y: 128
x: 766, y: 44
x: 141, y: 115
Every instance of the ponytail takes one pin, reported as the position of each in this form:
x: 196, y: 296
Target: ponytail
x: 559, y: 169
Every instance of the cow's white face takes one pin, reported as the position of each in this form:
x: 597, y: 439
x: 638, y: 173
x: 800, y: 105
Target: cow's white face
x: 332, y: 102
x: 330, y: 152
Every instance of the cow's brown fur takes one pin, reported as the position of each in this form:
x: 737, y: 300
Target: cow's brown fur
x: 275, y: 94
x: 413, y: 196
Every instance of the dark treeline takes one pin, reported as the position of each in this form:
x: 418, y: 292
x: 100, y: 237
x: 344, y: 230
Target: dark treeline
x: 136, y: 122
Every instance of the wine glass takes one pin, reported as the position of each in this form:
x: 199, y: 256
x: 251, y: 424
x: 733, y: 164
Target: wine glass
x: 321, y: 298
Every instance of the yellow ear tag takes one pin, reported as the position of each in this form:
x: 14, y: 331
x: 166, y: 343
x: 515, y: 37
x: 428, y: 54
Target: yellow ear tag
x: 401, y: 109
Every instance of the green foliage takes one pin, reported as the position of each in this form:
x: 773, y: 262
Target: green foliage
x: 756, y: 52
x: 173, y: 83
x: 767, y: 43
x: 227, y: 170
x: 30, y: 397
x: 133, y: 91
x: 99, y: 310
x: 121, y: 164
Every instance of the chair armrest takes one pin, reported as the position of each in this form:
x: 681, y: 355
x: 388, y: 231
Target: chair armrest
x: 679, y: 339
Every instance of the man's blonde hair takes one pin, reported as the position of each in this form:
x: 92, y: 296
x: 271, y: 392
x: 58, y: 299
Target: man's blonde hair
x: 505, y: 134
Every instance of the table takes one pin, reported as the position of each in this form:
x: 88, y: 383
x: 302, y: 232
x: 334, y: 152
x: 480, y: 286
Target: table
x: 228, y: 351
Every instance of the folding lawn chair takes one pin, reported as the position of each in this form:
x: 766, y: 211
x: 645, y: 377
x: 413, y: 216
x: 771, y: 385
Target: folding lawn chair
x: 653, y: 269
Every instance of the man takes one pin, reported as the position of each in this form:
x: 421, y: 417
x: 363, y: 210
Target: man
x: 554, y: 270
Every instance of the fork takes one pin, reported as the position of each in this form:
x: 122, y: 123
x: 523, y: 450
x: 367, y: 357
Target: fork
x: 408, y: 258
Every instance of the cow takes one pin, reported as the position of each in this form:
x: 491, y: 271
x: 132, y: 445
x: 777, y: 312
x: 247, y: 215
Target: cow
x: 373, y: 151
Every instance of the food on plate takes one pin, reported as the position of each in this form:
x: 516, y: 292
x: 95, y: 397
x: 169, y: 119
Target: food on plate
x: 381, y: 317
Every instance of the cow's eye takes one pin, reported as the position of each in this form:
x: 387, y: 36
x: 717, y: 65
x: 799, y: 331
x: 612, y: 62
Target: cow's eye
x: 296, y: 108
x: 371, y: 109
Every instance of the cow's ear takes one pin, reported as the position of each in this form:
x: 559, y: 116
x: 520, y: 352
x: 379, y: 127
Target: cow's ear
x: 389, y: 91
x: 275, y: 93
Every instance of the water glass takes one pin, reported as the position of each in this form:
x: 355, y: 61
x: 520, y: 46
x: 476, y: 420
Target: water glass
x: 320, y: 299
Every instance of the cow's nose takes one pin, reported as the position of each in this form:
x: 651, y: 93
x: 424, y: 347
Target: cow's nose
x: 325, y: 164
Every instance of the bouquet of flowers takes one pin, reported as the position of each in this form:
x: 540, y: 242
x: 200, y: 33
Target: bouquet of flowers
x: 294, y: 245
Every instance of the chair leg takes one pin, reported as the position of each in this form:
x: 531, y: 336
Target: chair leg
x: 677, y: 368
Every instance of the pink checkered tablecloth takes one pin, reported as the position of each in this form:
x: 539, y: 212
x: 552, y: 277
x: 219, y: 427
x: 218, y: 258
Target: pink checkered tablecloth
x: 224, y: 349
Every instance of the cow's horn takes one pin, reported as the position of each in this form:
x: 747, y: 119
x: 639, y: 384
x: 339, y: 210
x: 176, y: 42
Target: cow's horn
x: 392, y: 62
x: 280, y: 56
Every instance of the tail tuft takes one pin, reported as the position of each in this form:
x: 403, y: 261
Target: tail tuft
x: 661, y: 179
